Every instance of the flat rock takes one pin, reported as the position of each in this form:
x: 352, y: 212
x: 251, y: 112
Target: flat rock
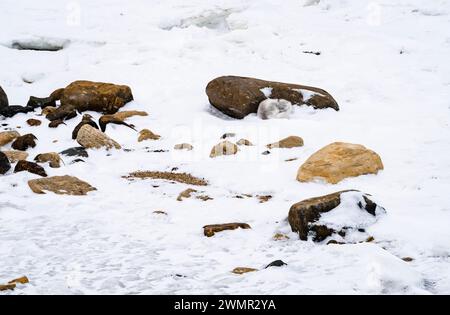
x: 8, y: 136
x: 34, y: 122
x: 239, y: 96
x: 15, y: 156
x: 5, y: 165
x: 244, y: 142
x: 242, y: 270
x: 61, y: 185
x: 30, y: 167
x: 210, y: 230
x: 146, y: 134
x: 287, y: 143
x: 338, y: 161
x: 52, y: 158
x: 76, y: 151
x: 91, y: 138
x: 223, y: 148
x: 183, y: 146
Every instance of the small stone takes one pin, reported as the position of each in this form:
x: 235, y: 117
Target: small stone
x: 186, y: 194
x: 51, y: 157
x: 7, y: 287
x: 276, y: 263
x: 48, y: 110
x: 183, y: 146
x: 76, y: 151
x: 223, y: 148
x: 5, y: 165
x: 21, y: 280
x: 370, y: 239
x: 15, y: 156
x: 408, y: 259
x: 266, y: 153
x: 280, y: 237
x: 334, y: 242
x: 242, y: 270
x: 30, y: 167
x: 146, y: 134
x: 22, y: 143
x: 287, y: 143
x: 244, y: 142
x: 61, y: 185
x: 91, y: 138
x: 8, y: 136
x: 263, y: 199
x: 160, y: 212
x: 34, y: 122
x: 56, y: 123
x: 228, y: 135
x: 210, y: 230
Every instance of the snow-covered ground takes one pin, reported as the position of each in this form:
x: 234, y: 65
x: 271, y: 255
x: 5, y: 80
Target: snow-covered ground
x: 387, y: 63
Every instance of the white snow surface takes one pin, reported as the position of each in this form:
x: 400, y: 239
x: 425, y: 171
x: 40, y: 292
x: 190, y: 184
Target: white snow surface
x: 387, y: 65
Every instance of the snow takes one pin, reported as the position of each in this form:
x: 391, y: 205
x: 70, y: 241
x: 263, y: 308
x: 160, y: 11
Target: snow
x: 385, y: 63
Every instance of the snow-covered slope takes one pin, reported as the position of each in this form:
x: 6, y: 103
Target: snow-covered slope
x: 387, y: 65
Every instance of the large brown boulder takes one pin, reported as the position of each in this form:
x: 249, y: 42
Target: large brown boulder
x: 61, y: 185
x: 3, y: 99
x: 82, y: 96
x: 338, y: 161
x: 357, y: 213
x: 31, y: 167
x: 239, y: 96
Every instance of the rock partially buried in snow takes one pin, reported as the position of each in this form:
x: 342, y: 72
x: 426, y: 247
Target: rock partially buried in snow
x: 338, y: 161
x: 5, y: 165
x: 61, y: 185
x: 25, y: 142
x: 287, y: 143
x: 52, y: 158
x: 30, y: 167
x: 3, y: 99
x: 242, y: 270
x: 339, y: 213
x: 223, y: 148
x: 34, y: 122
x: 76, y: 151
x: 183, y: 146
x: 240, y: 96
x: 210, y: 230
x: 15, y: 156
x: 11, y: 285
x: 244, y: 142
x: 146, y: 134
x: 8, y: 136
x: 91, y: 138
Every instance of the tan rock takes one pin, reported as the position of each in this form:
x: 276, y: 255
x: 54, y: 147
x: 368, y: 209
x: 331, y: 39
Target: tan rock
x: 244, y: 142
x: 186, y: 194
x: 338, y: 161
x: 61, y: 185
x: 242, y: 270
x: 129, y: 113
x: 280, y: 237
x: 210, y: 230
x: 287, y: 143
x: 7, y: 137
x: 48, y: 110
x: 146, y: 134
x: 183, y: 178
x: 21, y: 280
x: 92, y: 138
x: 52, y: 157
x: 15, y: 156
x: 183, y: 146
x: 224, y: 148
x: 34, y: 122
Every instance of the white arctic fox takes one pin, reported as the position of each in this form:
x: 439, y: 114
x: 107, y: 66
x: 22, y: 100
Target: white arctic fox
x: 274, y: 108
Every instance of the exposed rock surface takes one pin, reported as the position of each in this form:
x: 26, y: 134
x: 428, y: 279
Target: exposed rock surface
x: 287, y: 143
x: 15, y: 156
x: 242, y: 270
x: 30, y: 167
x: 61, y: 185
x: 183, y: 146
x: 338, y: 161
x: 34, y: 122
x: 22, y: 143
x: 244, y: 142
x: 210, y: 230
x: 172, y: 176
x: 240, y: 96
x: 5, y: 165
x: 146, y: 134
x: 8, y: 136
x: 223, y: 148
x: 52, y: 158
x: 91, y: 138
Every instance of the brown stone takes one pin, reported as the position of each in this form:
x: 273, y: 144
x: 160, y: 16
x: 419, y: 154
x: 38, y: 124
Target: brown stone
x: 56, y: 123
x: 52, y: 158
x: 160, y: 212
x: 338, y: 161
x: 8, y: 136
x: 30, y: 167
x: 91, y: 138
x: 15, y: 156
x: 280, y: 237
x: 48, y: 110
x: 210, y: 230
x: 287, y: 143
x: 146, y: 134
x: 61, y: 185
x: 129, y: 113
x: 21, y: 280
x: 186, y: 194
x: 240, y: 96
x: 22, y: 143
x: 5, y: 164
x: 264, y: 198
x: 244, y: 142
x: 7, y: 287
x: 34, y: 122
x: 242, y: 270
x: 183, y: 178
x: 223, y: 148
x: 183, y: 146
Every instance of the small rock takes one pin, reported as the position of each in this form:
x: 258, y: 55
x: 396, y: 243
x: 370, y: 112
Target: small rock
x: 370, y: 239
x: 266, y: 153
x: 223, y: 148
x: 30, y: 167
x: 34, y: 122
x: 210, y: 230
x: 76, y: 151
x: 290, y: 160
x: 48, y: 110
x: 91, y: 138
x: 129, y: 113
x: 334, y: 242
x: 183, y: 146
x: 51, y: 157
x: 242, y: 270
x: 228, y: 135
x: 408, y: 259
x: 263, y: 199
x: 5, y: 165
x: 77, y: 161
x: 8, y: 136
x: 183, y: 178
x: 7, y: 287
x: 22, y: 143
x: 21, y: 280
x: 186, y: 194
x: 15, y: 156
x: 280, y: 237
x: 61, y: 185
x: 160, y: 212
x: 338, y: 161
x: 244, y: 142
x: 56, y: 123
x: 146, y: 134
x: 276, y: 263
x: 287, y: 143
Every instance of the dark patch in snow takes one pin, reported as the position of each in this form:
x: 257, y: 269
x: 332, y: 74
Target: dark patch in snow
x: 39, y: 44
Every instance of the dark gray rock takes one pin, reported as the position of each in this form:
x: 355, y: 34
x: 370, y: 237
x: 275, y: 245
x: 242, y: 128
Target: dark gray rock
x: 5, y: 165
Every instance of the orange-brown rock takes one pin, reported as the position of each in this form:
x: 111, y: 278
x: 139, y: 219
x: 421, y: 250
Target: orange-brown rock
x: 183, y: 146
x: 34, y: 122
x: 210, y: 230
x: 338, y: 161
x: 8, y: 136
x: 22, y: 143
x: 287, y: 143
x: 240, y: 96
x: 61, y: 185
x: 146, y: 134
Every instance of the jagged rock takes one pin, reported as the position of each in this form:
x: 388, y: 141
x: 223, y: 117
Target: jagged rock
x: 22, y: 143
x: 287, y: 143
x: 244, y: 142
x: 276, y: 263
x: 128, y: 113
x: 210, y: 230
x: 146, y: 134
x: 30, y: 167
x: 91, y: 138
x: 61, y: 185
x: 85, y: 120
x: 242, y: 270
x: 338, y: 161
x: 76, y: 151
x: 307, y: 217
x: 52, y: 158
x: 34, y: 122
x: 48, y: 110
x: 82, y: 96
x: 183, y: 146
x: 5, y: 165
x: 240, y: 96
x: 223, y: 148
x: 8, y: 136
x: 15, y: 156
x: 3, y: 99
